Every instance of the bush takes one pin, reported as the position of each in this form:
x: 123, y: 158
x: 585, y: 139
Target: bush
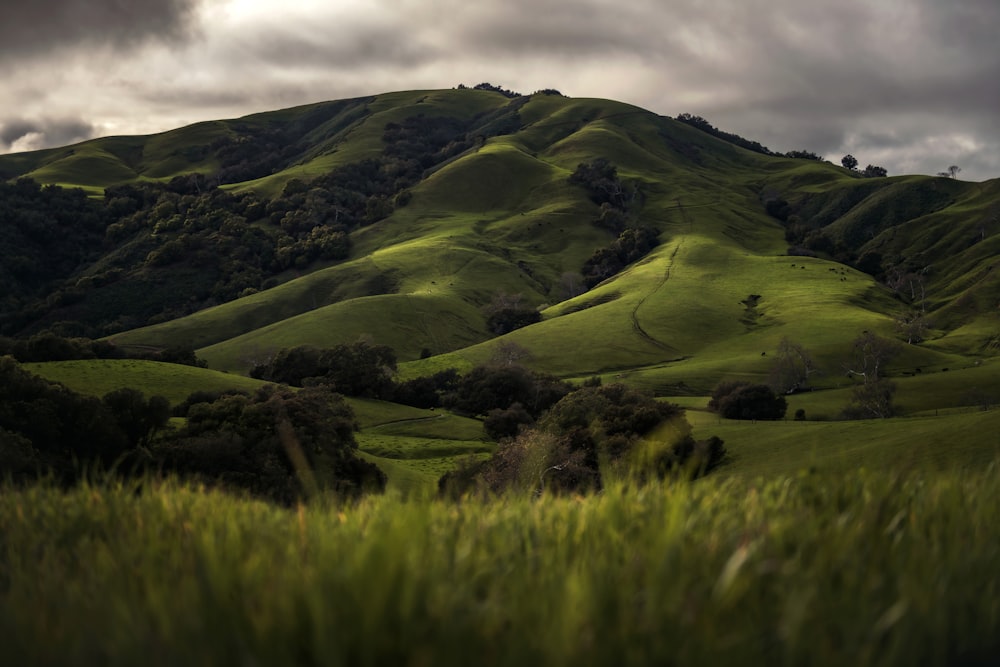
x: 506, y: 423
x: 743, y: 400
x: 270, y: 444
x: 590, y: 433
x: 486, y: 388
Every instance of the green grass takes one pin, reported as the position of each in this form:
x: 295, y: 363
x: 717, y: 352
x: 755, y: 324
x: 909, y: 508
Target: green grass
x: 415, y: 450
x: 174, y: 382
x: 959, y: 440
x: 864, y: 568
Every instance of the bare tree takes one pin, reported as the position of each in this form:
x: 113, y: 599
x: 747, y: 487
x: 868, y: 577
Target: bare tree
x: 509, y: 353
x: 869, y: 355
x: 792, y: 367
x: 571, y: 284
x: 912, y: 325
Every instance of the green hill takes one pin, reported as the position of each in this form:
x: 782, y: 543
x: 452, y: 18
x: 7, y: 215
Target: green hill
x: 399, y: 218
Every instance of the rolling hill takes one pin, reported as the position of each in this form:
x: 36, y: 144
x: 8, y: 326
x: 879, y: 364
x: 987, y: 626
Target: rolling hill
x: 473, y: 197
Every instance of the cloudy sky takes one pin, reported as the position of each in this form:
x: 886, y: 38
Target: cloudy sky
x: 912, y: 85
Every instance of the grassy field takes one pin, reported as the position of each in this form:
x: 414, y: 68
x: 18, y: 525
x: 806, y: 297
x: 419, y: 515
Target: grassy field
x: 865, y: 568
x: 415, y: 447
x: 174, y: 382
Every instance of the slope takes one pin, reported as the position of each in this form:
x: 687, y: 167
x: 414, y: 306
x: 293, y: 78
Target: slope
x: 494, y: 211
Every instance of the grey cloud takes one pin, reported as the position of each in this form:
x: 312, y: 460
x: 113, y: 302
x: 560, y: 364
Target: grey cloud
x: 903, y: 81
x: 39, y: 27
x: 353, y: 42
x: 44, y: 133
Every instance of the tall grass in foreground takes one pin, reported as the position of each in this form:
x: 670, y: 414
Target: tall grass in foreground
x: 859, y: 569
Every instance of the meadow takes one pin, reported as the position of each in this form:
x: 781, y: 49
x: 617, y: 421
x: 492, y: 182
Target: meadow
x: 864, y: 568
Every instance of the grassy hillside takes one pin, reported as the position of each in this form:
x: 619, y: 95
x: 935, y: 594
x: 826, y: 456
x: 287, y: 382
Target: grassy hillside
x: 753, y: 248
x: 96, y: 377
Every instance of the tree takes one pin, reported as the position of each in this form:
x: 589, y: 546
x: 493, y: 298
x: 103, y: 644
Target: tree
x: 64, y: 428
x: 355, y: 369
x: 270, y: 444
x: 570, y: 285
x: 509, y: 353
x: 869, y: 355
x: 873, y: 171
x: 912, y: 325
x: 849, y: 162
x: 486, y: 388
x: 137, y: 417
x: 872, y: 400
x: 792, y: 367
x: 595, y: 431
x: 507, y: 312
x: 743, y: 400
x: 505, y: 423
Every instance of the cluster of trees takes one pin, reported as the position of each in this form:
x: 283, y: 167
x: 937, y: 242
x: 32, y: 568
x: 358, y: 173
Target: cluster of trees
x: 872, y: 398
x: 617, y: 200
x: 871, y: 171
x: 590, y: 435
x: 47, y: 346
x: 746, y: 400
x: 705, y: 126
x: 489, y: 86
x: 366, y: 369
x: 735, y: 139
x: 272, y: 444
x: 46, y: 428
x: 45, y: 235
x: 269, y: 444
x: 631, y: 245
x: 507, y: 312
x: 352, y: 369
x: 600, y: 179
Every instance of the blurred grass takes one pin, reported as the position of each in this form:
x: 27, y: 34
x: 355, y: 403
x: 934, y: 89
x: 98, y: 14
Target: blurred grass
x: 863, y: 568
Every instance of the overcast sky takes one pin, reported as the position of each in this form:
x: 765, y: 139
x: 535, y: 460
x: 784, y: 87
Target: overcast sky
x: 912, y: 85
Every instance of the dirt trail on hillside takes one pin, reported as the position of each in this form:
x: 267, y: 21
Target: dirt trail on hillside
x: 636, y: 326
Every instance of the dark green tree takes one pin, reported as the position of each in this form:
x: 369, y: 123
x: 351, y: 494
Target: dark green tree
x: 138, y: 418
x: 272, y: 445
x: 743, y: 400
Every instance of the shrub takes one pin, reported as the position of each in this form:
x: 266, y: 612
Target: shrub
x: 591, y: 433
x: 743, y: 400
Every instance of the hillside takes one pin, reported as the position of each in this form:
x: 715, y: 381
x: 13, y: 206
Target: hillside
x: 266, y: 233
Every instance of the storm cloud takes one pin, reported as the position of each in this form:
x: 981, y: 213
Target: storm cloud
x: 907, y: 84
x: 41, y: 27
x: 26, y: 135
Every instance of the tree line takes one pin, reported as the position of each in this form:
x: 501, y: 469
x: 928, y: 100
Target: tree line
x: 270, y: 444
